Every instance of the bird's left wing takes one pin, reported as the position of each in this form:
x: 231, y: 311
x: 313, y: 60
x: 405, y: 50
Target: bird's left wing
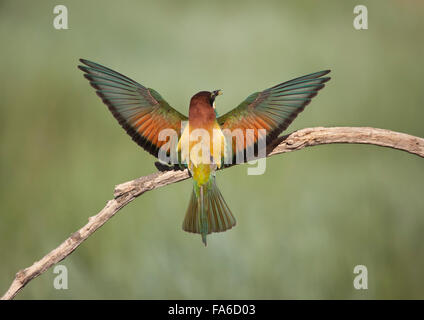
x: 141, y: 111
x: 273, y: 109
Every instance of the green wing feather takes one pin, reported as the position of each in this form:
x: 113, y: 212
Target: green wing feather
x: 141, y: 111
x: 273, y: 109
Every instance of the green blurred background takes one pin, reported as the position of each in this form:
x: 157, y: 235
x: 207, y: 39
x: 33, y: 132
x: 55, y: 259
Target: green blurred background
x: 302, y: 226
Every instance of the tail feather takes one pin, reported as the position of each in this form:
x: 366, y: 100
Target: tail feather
x: 207, y: 211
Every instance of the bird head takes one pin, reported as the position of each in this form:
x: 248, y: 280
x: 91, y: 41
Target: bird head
x: 205, y: 97
x: 202, y: 104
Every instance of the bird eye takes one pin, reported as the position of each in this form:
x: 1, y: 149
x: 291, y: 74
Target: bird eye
x: 214, y: 94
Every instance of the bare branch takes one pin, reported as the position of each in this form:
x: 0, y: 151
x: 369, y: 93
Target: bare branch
x: 363, y: 135
x: 128, y: 191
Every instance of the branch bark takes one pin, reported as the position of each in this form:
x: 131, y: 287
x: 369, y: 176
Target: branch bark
x: 126, y: 192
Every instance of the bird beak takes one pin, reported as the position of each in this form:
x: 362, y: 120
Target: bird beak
x: 217, y: 92
x: 214, y: 95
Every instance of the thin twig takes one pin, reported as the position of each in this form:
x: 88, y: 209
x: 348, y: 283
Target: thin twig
x: 128, y: 191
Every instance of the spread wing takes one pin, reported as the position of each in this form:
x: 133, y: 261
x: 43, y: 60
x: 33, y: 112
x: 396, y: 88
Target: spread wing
x: 141, y: 111
x: 273, y: 109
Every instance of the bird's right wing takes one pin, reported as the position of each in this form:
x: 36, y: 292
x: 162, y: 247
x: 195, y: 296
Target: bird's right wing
x: 272, y: 109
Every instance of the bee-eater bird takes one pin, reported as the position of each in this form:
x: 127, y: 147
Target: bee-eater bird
x: 143, y: 113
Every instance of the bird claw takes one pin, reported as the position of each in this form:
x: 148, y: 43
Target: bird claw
x: 163, y: 167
